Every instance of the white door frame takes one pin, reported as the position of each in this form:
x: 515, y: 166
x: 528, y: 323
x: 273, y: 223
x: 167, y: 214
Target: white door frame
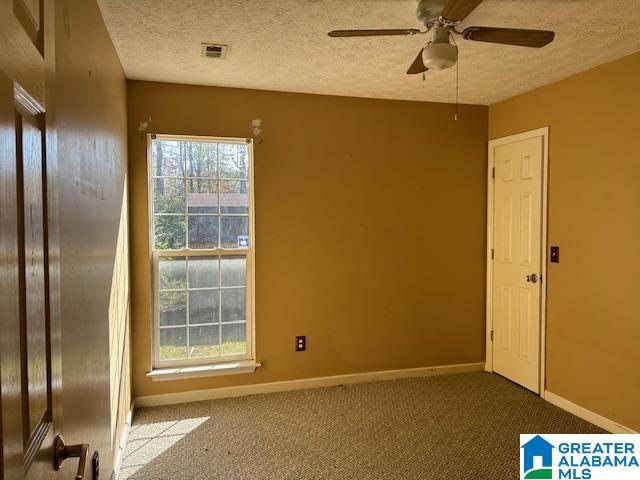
x: 544, y: 133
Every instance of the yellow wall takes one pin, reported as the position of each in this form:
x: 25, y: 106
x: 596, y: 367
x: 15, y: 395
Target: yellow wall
x: 370, y: 228
x: 119, y: 329
x: 593, y: 316
x: 89, y: 95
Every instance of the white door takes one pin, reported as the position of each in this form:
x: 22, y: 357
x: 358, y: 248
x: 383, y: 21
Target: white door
x: 517, y: 257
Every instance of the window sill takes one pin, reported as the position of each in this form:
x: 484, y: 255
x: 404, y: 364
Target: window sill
x: 197, y: 371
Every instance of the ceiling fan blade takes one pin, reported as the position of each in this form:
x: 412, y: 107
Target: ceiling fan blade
x: 373, y: 33
x: 417, y: 66
x: 458, y: 10
x: 509, y: 36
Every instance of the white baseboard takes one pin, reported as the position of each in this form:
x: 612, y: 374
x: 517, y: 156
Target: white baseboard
x: 302, y: 384
x: 117, y: 460
x: 592, y: 417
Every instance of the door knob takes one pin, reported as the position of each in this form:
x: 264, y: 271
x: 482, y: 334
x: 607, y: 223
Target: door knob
x: 62, y: 452
x: 533, y: 278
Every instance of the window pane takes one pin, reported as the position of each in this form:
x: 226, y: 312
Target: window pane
x: 203, y: 306
x: 167, y: 159
x: 173, y: 308
x: 202, y: 159
x: 233, y: 304
x: 234, y: 160
x: 203, y: 231
x: 234, y: 339
x: 203, y: 342
x: 168, y: 195
x: 203, y: 196
x: 173, y: 272
x: 173, y: 343
x: 169, y: 232
x: 234, y: 196
x: 203, y: 272
x: 233, y: 271
x: 200, y: 195
x: 234, y: 232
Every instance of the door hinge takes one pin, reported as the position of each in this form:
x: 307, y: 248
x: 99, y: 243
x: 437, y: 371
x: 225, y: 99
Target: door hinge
x: 493, y: 252
x: 492, y: 335
x: 493, y: 172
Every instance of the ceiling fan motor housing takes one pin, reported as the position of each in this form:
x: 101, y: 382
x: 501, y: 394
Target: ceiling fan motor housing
x: 428, y: 11
x: 439, y: 54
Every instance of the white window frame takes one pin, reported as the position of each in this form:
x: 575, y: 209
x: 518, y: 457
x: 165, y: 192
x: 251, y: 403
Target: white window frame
x: 155, y: 255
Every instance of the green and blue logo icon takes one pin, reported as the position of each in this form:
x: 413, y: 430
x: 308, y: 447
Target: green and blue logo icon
x: 537, y: 459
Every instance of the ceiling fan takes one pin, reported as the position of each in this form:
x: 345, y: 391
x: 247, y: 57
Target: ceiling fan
x: 440, y: 18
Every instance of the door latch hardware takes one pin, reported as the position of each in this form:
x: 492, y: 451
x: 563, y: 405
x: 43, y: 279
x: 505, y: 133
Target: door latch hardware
x: 533, y: 278
x: 62, y: 452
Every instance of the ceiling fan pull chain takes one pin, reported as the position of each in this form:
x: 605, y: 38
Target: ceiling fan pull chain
x: 455, y: 116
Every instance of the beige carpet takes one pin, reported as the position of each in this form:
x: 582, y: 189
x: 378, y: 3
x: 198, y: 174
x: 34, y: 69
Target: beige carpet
x: 450, y: 427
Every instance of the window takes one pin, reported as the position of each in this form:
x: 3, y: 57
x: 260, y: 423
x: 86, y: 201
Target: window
x: 200, y: 198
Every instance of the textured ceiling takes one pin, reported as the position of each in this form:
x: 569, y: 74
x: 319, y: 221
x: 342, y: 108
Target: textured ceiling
x: 283, y: 45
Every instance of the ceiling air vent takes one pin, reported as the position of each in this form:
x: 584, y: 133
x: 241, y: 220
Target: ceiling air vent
x: 214, y: 50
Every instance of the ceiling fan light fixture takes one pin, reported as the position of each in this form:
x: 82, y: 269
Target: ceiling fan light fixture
x: 440, y: 17
x: 439, y: 56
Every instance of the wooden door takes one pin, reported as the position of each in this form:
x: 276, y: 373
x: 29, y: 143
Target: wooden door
x: 30, y: 341
x: 517, y: 263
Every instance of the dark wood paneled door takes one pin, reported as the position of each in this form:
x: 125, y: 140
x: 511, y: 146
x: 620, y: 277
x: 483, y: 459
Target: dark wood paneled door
x: 30, y: 379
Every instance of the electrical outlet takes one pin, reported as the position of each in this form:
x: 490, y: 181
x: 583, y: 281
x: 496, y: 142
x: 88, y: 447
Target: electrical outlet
x: 301, y: 343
